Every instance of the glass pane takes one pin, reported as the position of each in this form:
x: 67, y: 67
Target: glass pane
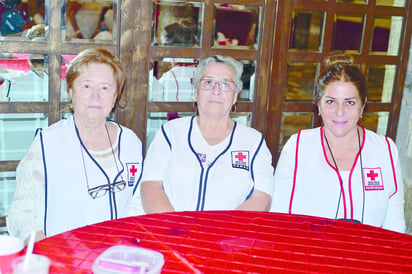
x: 249, y: 81
x: 236, y: 25
x: 22, y: 19
x: 300, y: 80
x: 177, y: 23
x: 23, y: 77
x: 88, y: 19
x: 170, y: 80
x: 156, y: 119
x: 17, y: 132
x: 394, y: 3
x: 379, y: 82
x: 65, y: 62
x: 376, y: 121
x: 306, y: 30
x: 386, y: 35
x: 292, y: 122
x: 347, y: 33
x: 7, y: 186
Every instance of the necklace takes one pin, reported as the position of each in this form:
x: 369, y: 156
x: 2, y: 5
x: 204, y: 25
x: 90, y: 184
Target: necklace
x: 340, y: 178
x: 101, y: 190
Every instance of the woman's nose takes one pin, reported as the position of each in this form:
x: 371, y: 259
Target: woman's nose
x: 94, y: 93
x: 216, y: 88
x: 340, y: 109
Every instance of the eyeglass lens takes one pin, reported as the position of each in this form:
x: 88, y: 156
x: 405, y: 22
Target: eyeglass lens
x: 100, y: 191
x: 223, y: 85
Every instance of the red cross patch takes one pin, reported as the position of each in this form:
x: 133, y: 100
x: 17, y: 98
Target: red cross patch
x: 240, y: 159
x: 133, y: 171
x: 373, y: 178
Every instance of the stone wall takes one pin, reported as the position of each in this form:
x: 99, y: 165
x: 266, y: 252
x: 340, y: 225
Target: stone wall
x: 404, y: 143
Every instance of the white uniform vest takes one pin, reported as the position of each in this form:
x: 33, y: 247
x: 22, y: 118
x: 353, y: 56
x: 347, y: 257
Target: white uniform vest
x: 309, y: 184
x: 227, y: 182
x: 67, y: 202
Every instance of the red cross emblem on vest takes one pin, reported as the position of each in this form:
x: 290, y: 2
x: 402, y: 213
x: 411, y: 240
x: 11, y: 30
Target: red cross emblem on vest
x: 372, y: 175
x: 240, y: 156
x: 240, y: 159
x: 133, y: 170
x: 373, y: 178
x: 132, y: 173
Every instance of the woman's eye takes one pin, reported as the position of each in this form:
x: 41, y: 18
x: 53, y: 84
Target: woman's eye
x: 329, y: 102
x: 224, y: 84
x: 351, y: 103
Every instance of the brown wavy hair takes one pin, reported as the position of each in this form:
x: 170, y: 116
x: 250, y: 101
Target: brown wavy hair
x: 339, y: 68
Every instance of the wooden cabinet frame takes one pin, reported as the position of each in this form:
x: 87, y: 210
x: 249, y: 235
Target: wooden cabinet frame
x: 135, y: 49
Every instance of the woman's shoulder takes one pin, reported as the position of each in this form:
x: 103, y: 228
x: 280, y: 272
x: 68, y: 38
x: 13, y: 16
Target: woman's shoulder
x: 127, y: 132
x: 59, y: 125
x: 178, y: 122
x: 374, y: 138
x: 247, y: 130
x: 307, y: 134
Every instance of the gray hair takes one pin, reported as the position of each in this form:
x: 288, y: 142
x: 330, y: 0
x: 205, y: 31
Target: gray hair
x: 226, y: 60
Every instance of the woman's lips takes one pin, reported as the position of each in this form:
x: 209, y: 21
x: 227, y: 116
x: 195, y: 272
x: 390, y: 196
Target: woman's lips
x: 339, y: 123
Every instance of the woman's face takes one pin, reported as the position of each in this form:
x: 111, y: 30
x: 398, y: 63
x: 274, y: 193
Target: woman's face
x: 94, y: 92
x: 340, y: 108
x: 216, y: 102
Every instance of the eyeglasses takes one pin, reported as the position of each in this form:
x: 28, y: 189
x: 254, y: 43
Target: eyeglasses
x: 225, y: 85
x: 100, y: 191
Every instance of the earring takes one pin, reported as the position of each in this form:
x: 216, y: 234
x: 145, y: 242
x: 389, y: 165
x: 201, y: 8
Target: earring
x: 71, y: 107
x: 195, y: 110
x: 233, y: 109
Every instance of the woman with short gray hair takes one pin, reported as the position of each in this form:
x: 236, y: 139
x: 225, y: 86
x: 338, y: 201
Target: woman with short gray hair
x: 209, y: 161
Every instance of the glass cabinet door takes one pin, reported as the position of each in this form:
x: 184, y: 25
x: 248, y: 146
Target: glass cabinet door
x: 184, y: 32
x: 369, y: 31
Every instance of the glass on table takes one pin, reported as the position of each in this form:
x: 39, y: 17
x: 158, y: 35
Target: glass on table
x: 36, y: 264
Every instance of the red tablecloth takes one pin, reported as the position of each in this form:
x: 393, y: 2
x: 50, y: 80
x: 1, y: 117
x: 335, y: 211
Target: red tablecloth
x: 237, y: 242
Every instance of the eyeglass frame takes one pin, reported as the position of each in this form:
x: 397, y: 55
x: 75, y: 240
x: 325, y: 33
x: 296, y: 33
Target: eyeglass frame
x: 218, y: 83
x: 115, y: 187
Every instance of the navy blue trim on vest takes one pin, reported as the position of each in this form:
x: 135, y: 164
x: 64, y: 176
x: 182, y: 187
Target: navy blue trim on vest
x: 165, y: 135
x: 251, y: 166
x: 141, y: 173
x: 112, y: 211
x: 45, y: 181
x: 199, y: 192
x: 112, y: 193
x: 202, y: 187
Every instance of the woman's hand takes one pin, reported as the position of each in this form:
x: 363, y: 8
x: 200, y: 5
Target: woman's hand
x: 154, y: 198
x: 39, y: 236
x: 259, y: 201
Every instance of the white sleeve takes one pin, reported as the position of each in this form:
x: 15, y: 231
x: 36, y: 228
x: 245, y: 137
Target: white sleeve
x: 157, y: 159
x: 136, y: 206
x: 263, y: 170
x: 26, y: 212
x: 284, y: 177
x: 395, y: 218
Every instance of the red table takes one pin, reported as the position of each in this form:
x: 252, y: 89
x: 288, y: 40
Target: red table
x: 237, y: 242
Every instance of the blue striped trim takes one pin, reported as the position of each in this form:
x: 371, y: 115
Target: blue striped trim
x: 45, y: 182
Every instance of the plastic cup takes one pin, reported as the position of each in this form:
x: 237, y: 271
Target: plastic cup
x: 10, y: 248
x: 120, y: 259
x: 37, y: 264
